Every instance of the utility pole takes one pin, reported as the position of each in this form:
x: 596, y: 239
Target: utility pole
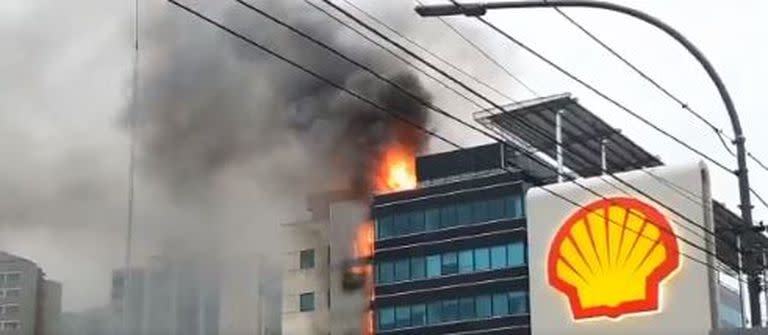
x: 480, y: 9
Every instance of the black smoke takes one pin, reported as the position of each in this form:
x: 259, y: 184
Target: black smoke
x: 209, y: 101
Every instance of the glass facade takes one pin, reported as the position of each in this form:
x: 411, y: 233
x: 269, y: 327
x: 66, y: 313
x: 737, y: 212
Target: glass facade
x: 462, y: 214
x: 464, y: 261
x: 467, y: 308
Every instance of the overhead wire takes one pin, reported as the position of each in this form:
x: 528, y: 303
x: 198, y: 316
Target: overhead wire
x: 421, y: 47
x: 409, y: 122
x: 717, y: 130
x: 611, y: 100
x: 461, y: 84
x: 392, y: 53
x: 722, y: 136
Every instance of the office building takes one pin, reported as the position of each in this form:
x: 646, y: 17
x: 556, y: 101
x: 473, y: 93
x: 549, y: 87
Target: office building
x: 451, y: 255
x: 29, y: 303
x: 315, y: 297
x: 169, y: 296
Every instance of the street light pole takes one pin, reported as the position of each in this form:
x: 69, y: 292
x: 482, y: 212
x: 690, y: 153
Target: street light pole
x: 479, y: 9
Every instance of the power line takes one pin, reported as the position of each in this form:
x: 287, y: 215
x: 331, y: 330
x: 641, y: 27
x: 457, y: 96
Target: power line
x: 373, y: 104
x: 605, y: 96
x: 401, y: 118
x: 394, y: 54
x: 380, y: 22
x: 427, y: 51
x: 718, y: 131
x: 419, y: 99
x: 458, y: 82
x: 487, y: 56
x: 611, y: 100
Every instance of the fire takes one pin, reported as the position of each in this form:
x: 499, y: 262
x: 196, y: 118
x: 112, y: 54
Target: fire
x: 397, y: 170
x: 363, y: 250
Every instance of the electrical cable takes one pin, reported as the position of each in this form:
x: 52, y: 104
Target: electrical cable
x: 604, y: 96
x: 425, y: 50
x: 718, y: 131
x: 399, y: 117
x: 458, y: 82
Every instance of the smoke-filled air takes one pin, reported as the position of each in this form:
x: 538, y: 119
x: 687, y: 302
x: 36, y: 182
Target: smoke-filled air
x: 228, y: 140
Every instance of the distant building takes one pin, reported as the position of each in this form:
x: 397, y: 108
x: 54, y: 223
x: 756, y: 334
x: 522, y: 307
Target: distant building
x: 250, y: 296
x: 29, y: 304
x: 167, y: 297
x: 315, y: 300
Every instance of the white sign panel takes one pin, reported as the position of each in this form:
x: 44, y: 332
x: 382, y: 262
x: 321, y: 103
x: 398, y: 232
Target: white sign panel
x: 625, y: 262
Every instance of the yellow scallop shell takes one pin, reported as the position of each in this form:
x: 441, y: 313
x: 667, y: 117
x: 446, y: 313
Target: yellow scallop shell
x: 610, y: 257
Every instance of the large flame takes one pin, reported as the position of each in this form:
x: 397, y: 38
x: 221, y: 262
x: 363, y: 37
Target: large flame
x: 397, y: 170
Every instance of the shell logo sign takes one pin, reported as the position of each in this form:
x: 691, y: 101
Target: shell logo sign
x: 611, y: 257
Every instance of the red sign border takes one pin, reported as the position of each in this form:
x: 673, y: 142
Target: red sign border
x: 651, y: 302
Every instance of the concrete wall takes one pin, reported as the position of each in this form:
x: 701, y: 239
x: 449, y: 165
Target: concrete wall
x: 49, y: 302
x: 301, y: 236
x: 28, y: 290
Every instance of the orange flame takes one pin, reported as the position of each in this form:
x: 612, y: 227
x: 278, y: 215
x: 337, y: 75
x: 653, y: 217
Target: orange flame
x: 363, y: 249
x: 397, y: 170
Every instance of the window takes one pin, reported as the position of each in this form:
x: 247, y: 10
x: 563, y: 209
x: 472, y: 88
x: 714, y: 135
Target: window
x: 401, y: 225
x: 386, y: 318
x: 479, y: 212
x: 515, y: 254
x: 512, y: 206
x: 307, y: 259
x: 402, y: 316
x: 419, y: 315
x: 10, y: 280
x: 518, y: 303
x: 432, y: 219
x: 466, y: 261
x: 483, y: 304
x: 467, y: 308
x: 450, y: 310
x: 416, y: 221
x: 402, y: 270
x: 448, y: 217
x: 418, y: 268
x: 495, y: 208
x: 434, y: 313
x: 11, y: 325
x: 9, y: 310
x: 464, y: 214
x: 498, y: 257
x: 12, y: 293
x: 307, y: 302
x: 434, y: 267
x: 500, y: 304
x: 386, y: 272
x: 328, y: 298
x: 482, y: 259
x: 450, y: 263
x: 383, y: 227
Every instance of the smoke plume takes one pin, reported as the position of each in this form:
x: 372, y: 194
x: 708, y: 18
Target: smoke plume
x: 209, y: 101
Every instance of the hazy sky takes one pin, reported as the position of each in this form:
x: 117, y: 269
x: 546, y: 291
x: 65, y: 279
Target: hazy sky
x: 65, y: 77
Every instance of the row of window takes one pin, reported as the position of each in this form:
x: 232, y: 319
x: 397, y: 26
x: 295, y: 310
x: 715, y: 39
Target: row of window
x: 10, y: 280
x: 10, y: 293
x: 10, y: 325
x: 463, y: 261
x: 9, y: 309
x: 449, y: 216
x: 451, y: 310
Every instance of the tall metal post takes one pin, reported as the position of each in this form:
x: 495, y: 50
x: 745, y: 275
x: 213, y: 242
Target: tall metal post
x: 479, y: 9
x: 559, y: 140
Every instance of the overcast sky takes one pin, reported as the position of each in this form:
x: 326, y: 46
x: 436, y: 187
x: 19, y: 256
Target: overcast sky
x: 66, y: 68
